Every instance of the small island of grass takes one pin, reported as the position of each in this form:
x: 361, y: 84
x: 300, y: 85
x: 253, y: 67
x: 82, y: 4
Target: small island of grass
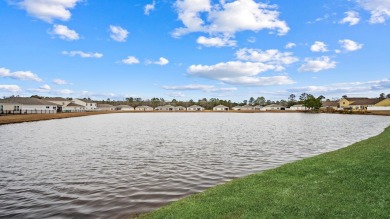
x: 353, y: 182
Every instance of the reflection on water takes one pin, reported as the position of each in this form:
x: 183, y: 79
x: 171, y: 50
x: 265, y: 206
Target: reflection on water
x: 115, y: 165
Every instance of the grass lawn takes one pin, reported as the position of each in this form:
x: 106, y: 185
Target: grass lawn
x: 353, y: 182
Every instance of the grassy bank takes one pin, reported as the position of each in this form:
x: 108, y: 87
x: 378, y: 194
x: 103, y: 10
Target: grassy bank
x: 353, y: 182
x: 10, y: 119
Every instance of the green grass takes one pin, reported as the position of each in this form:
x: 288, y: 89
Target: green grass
x: 353, y: 182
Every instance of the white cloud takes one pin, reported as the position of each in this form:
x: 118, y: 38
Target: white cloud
x: 48, y: 10
x: 60, y: 82
x: 176, y: 94
x: 118, y: 33
x: 347, y: 88
x: 290, y: 45
x: 259, y: 81
x: 350, y: 45
x: 271, y: 56
x: 216, y: 41
x: 352, y: 18
x: 83, y: 54
x: 379, y: 9
x: 239, y: 73
x: 130, y: 60
x: 161, y: 61
x: 229, y: 69
x: 42, y: 89
x: 19, y: 75
x: 251, y: 39
x: 65, y: 33
x: 200, y: 87
x: 64, y: 92
x: 10, y: 88
x: 149, y: 7
x: 227, y: 18
x: 318, y: 47
x: 316, y: 65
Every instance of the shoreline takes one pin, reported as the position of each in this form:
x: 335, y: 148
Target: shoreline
x: 13, y: 119
x: 346, y: 183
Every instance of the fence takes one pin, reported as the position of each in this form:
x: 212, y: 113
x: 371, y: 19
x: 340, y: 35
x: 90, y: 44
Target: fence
x: 23, y: 112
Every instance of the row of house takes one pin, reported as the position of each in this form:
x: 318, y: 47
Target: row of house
x: 28, y: 105
x: 358, y: 104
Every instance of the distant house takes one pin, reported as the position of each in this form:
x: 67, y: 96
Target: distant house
x: 330, y: 105
x: 273, y: 107
x: 27, y: 105
x: 89, y: 104
x: 195, y: 108
x: 258, y: 107
x: 124, y: 108
x: 144, y: 108
x: 384, y: 104
x: 220, y: 108
x: 236, y: 108
x: 297, y: 107
x: 247, y: 107
x: 170, y: 108
x: 73, y: 107
x: 105, y: 107
x: 61, y: 102
x: 358, y: 103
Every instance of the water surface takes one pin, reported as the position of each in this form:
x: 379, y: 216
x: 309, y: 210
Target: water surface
x: 114, y: 165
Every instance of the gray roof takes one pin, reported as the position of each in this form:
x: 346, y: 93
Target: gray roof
x: 75, y: 104
x: 104, y: 105
x: 274, y: 105
x: 86, y: 100
x: 219, y: 106
x: 27, y: 101
x: 123, y: 106
x: 195, y: 106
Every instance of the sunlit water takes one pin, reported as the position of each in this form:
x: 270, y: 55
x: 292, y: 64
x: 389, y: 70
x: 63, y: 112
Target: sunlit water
x: 108, y: 166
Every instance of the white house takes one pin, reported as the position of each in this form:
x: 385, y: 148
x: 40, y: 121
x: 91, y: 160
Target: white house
x: 89, y: 104
x: 236, y: 108
x: 144, y: 108
x: 105, y: 107
x: 73, y: 107
x: 125, y: 108
x: 297, y: 108
x: 273, y: 107
x: 220, y: 108
x: 61, y: 102
x: 195, y: 108
x: 258, y: 107
x: 247, y: 107
x: 170, y: 108
x: 27, y: 105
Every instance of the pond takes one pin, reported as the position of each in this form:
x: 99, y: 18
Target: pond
x: 114, y: 165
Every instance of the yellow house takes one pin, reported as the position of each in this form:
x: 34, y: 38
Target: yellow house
x: 358, y: 103
x: 384, y: 104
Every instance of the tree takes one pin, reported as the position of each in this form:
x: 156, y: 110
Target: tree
x: 312, y: 102
x: 260, y: 101
x: 292, y: 97
x: 344, y: 96
x: 251, y: 100
x: 245, y: 102
x: 382, y: 95
x: 388, y: 96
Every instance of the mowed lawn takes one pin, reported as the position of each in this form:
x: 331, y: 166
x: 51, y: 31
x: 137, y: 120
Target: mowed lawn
x: 353, y: 182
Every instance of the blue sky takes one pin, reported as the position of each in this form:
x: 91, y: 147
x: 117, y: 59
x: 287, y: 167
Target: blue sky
x: 191, y: 49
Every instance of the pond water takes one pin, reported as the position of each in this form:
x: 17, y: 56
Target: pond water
x: 115, y: 165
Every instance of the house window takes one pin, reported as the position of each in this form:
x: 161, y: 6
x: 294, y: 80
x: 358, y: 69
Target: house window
x: 16, y: 108
x: 1, y: 107
x: 91, y: 104
x: 47, y: 107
